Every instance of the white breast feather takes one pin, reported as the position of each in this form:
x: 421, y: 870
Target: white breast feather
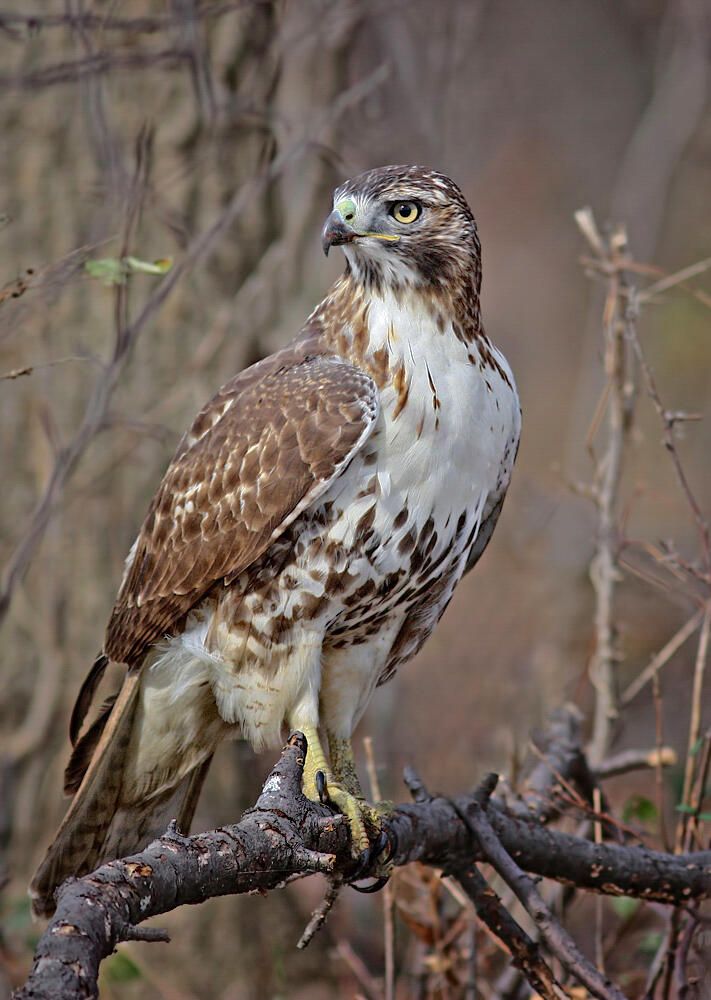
x: 437, y: 462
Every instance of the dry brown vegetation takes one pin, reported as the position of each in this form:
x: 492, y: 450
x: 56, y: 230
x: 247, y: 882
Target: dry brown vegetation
x: 211, y: 133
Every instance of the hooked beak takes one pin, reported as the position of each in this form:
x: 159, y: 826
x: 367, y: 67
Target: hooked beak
x: 336, y: 232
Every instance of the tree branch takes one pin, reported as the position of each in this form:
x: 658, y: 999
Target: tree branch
x: 286, y: 836
x: 556, y: 937
x: 525, y: 953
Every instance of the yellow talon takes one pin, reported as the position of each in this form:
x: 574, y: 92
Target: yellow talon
x: 315, y: 762
x: 342, y: 787
x: 355, y: 810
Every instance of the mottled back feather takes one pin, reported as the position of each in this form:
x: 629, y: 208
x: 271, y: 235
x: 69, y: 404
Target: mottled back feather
x: 262, y: 450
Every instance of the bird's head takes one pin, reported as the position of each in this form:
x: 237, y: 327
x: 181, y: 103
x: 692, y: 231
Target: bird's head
x: 405, y: 226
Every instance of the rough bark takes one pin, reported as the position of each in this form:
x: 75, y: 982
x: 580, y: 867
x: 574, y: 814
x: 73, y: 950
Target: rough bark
x: 285, y: 836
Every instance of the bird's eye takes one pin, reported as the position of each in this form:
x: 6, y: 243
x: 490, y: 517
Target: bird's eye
x: 405, y: 211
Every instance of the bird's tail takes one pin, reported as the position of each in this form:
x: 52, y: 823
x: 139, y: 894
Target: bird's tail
x: 137, y: 767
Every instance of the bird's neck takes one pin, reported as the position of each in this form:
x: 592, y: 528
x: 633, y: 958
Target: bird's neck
x: 377, y: 328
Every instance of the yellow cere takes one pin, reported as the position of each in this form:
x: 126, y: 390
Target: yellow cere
x: 382, y: 236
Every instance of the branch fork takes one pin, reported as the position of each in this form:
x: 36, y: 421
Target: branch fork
x: 286, y: 836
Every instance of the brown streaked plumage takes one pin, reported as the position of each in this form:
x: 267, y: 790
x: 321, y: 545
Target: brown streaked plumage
x: 235, y: 484
x: 309, y: 531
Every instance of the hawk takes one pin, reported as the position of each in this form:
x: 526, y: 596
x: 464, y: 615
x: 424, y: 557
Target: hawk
x: 308, y: 533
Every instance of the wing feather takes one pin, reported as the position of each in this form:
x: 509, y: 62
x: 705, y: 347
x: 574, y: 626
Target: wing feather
x: 261, y: 452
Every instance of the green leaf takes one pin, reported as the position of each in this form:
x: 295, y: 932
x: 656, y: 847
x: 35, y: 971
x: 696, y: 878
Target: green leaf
x: 624, y: 906
x: 115, y: 270
x: 697, y: 746
x: 108, y: 270
x: 641, y: 808
x: 160, y: 266
x: 683, y: 807
x: 121, y: 969
x: 705, y: 817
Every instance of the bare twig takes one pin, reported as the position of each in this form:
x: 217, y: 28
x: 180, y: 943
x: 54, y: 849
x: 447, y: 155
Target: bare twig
x: 97, y: 406
x: 359, y: 970
x: 669, y: 421
x: 320, y: 914
x: 665, y: 280
x: 107, y: 22
x: 699, y: 790
x: 388, y: 916
x: 658, y: 777
x: 29, y: 369
x: 604, y: 571
x: 556, y: 937
x: 671, y: 280
x: 662, y: 657
x: 694, y: 743
x: 636, y: 760
x: 98, y: 64
x: 525, y: 953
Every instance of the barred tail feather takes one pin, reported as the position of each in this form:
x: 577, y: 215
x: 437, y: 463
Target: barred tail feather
x: 134, y: 826
x: 135, y: 770
x: 77, y: 847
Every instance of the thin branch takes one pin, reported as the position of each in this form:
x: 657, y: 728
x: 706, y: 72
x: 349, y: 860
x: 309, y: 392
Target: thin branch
x: 699, y: 791
x: 388, y: 901
x: 525, y: 952
x: 35, y: 23
x: 359, y: 970
x: 556, y: 937
x: 662, y: 657
x: 669, y: 422
x: 652, y: 270
x: 694, y: 722
x: 635, y: 760
x: 670, y: 280
x: 98, y: 64
x: 98, y: 404
x: 320, y: 914
x: 29, y: 369
x: 604, y: 571
x: 658, y: 777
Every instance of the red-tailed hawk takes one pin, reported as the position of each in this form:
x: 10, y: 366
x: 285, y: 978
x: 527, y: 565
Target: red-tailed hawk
x: 309, y: 531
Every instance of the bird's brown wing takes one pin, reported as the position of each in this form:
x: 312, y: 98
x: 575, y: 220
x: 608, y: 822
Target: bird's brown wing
x: 262, y: 451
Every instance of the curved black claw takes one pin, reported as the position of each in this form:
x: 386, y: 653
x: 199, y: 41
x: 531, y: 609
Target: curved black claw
x: 385, y: 842
x: 392, y: 845
x: 370, y: 856
x: 321, y: 787
x: 375, y: 886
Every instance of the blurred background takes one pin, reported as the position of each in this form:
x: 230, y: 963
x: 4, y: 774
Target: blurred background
x: 249, y: 113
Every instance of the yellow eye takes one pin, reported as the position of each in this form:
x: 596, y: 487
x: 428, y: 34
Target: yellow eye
x: 405, y: 211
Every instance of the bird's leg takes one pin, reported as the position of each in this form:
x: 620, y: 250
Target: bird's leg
x: 315, y: 761
x: 321, y: 783
x: 369, y: 816
x: 343, y: 762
